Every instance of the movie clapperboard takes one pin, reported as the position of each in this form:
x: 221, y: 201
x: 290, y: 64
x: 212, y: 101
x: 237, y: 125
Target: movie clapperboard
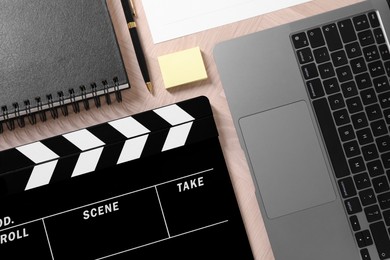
x: 153, y: 185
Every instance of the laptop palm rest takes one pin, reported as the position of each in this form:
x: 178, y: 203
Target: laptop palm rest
x: 286, y: 158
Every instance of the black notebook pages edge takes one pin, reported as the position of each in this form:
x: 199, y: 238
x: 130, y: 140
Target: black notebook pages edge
x: 56, y: 54
x: 152, y: 185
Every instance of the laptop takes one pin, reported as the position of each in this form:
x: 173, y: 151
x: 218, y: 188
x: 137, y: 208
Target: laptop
x: 311, y: 104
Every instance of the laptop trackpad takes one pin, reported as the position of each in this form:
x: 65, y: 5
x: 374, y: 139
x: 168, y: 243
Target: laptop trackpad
x: 287, y: 160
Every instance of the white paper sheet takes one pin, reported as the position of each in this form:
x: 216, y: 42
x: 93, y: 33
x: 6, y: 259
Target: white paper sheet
x: 169, y: 19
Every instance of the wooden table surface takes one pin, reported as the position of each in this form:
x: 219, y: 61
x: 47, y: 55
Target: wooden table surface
x: 138, y: 99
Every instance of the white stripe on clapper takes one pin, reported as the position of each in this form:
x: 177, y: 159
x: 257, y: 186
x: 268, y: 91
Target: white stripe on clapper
x: 177, y: 136
x: 132, y: 149
x: 129, y: 127
x: 41, y: 175
x: 84, y: 139
x: 174, y: 115
x: 181, y: 122
x: 37, y: 152
x: 87, y: 162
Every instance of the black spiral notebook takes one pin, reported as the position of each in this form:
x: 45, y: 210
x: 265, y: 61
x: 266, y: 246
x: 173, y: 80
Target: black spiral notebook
x: 54, y: 55
x: 151, y: 186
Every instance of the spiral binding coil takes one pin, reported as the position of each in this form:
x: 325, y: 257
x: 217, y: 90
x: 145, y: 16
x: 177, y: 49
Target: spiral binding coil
x: 8, y: 118
x: 61, y: 100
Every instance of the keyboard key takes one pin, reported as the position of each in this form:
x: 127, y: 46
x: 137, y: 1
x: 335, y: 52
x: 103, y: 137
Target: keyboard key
x: 381, y: 84
x: 386, y: 113
x: 347, y: 31
x: 336, y: 101
x: 366, y: 38
x: 367, y: 197
x: 386, y: 217
x: 351, y: 149
x: 344, y: 73
x: 349, y: 89
x: 380, y: 184
x: 353, y: 206
x: 326, y: 70
x: 346, y: 133
x: 305, y: 56
x: 387, y: 67
x: 381, y: 239
x: 310, y: 71
x: 331, y: 138
x: 386, y: 160
x: 367, y: 237
x: 384, y: 200
x: 358, y: 65
x: 383, y: 144
x: 339, y: 58
x: 379, y: 128
x: 321, y: 55
x: 370, y: 152
x: 354, y: 223
x: 364, y: 136
x: 376, y: 68
x: 360, y: 240
x: 373, y: 213
x: 359, y: 120
x: 379, y: 36
x: 353, y: 50
x: 373, y: 112
x: 375, y: 168
x: 331, y: 86
x: 332, y: 37
x: 363, y: 80
x: 365, y: 254
x: 371, y: 53
x: 354, y: 105
x: 315, y: 38
x: 341, y: 117
x: 315, y: 88
x: 362, y: 181
x: 361, y: 22
x: 384, y: 51
x: 374, y: 20
x: 368, y: 96
x: 300, y: 40
x: 347, y: 187
x: 357, y: 164
x: 384, y: 99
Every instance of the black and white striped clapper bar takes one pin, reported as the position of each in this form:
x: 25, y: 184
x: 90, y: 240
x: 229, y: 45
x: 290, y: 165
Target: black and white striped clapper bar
x: 87, y: 150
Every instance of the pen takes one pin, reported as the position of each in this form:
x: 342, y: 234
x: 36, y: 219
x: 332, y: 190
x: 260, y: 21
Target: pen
x: 131, y: 24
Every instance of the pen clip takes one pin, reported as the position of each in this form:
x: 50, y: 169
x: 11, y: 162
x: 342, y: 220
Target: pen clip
x: 132, y: 6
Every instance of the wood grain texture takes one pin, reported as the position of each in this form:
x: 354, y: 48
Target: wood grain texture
x: 138, y: 99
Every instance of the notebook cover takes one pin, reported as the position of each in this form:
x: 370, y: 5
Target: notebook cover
x: 51, y: 46
x: 154, y: 185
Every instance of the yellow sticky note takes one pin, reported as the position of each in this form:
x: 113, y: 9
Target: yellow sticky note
x: 182, y: 67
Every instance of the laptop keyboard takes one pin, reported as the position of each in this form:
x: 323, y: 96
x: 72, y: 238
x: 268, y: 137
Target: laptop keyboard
x: 346, y: 69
